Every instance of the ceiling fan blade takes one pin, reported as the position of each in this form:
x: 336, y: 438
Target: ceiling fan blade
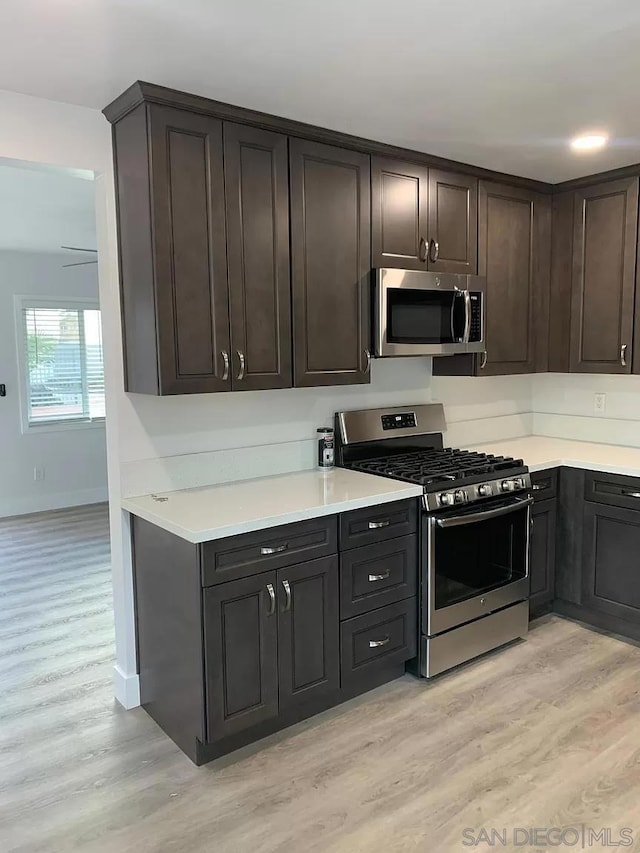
x: 79, y: 264
x: 76, y: 249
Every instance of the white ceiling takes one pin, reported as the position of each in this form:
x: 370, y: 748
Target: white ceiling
x: 42, y: 209
x: 499, y: 83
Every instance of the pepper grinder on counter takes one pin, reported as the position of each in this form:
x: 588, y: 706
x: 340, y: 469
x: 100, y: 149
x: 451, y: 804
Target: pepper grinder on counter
x: 326, y: 448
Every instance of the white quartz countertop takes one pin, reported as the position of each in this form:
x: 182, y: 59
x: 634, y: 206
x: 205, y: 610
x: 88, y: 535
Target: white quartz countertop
x: 211, y: 512
x: 540, y: 453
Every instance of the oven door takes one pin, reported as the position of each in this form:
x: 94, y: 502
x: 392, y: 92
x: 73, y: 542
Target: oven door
x: 476, y: 561
x: 427, y: 314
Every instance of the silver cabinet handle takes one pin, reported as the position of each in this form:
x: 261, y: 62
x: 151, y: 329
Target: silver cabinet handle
x: 367, y: 356
x: 538, y: 487
x: 623, y: 355
x: 265, y: 550
x: 241, y: 368
x: 376, y: 525
x: 631, y: 494
x: 287, y: 592
x: 434, y: 251
x: 374, y: 644
x: 422, y: 250
x: 272, y: 599
x: 483, y: 363
x: 381, y: 577
x: 225, y: 360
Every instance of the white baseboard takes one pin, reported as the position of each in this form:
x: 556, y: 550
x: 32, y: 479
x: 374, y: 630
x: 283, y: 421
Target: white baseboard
x: 126, y: 688
x: 58, y: 500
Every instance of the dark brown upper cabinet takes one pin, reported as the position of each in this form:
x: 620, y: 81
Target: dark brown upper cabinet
x: 453, y: 223
x: 605, y: 231
x: 399, y: 214
x: 330, y: 264
x: 514, y: 244
x: 423, y: 219
x: 256, y: 172
x: 173, y: 265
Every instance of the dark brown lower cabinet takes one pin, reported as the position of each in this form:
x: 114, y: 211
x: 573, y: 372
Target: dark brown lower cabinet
x: 542, y: 556
x: 611, y: 552
x: 242, y: 636
x: 308, y: 639
x: 241, y: 653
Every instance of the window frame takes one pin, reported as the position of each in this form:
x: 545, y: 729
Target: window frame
x: 74, y: 303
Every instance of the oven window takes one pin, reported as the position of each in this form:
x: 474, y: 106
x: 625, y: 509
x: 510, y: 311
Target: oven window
x: 476, y: 558
x: 423, y: 316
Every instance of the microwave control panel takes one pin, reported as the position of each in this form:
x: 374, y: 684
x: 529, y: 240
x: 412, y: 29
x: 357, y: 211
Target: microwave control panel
x: 402, y: 420
x: 475, y: 333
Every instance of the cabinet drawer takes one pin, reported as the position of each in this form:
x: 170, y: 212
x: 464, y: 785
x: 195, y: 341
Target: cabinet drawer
x: 265, y: 550
x: 544, y: 484
x: 378, y: 574
x: 377, y: 523
x: 377, y: 639
x: 612, y: 489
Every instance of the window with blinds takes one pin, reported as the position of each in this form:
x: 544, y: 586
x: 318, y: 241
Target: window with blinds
x: 63, y: 365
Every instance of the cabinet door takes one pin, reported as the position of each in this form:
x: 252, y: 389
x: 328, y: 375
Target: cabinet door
x: 331, y: 262
x: 308, y: 631
x: 399, y: 214
x: 603, y: 283
x: 190, y: 267
x: 514, y: 255
x: 542, y: 555
x: 453, y: 223
x: 256, y: 172
x: 241, y: 654
x: 611, y: 580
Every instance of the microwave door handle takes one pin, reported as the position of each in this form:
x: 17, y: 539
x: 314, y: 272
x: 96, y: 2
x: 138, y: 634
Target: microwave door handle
x: 467, y: 317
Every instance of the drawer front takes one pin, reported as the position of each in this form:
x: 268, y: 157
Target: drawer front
x: 544, y: 484
x: 378, y: 574
x: 612, y: 489
x: 377, y: 639
x: 264, y: 550
x: 377, y: 523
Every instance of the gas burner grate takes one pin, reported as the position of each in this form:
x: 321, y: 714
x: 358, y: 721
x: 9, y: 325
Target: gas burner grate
x: 437, y: 468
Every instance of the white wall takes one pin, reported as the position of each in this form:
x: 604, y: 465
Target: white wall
x: 74, y: 460
x: 563, y: 407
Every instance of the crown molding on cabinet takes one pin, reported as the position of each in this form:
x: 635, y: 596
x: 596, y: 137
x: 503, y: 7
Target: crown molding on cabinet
x: 141, y: 92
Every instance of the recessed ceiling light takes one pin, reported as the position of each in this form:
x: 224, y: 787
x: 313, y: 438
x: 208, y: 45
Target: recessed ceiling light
x: 589, y: 142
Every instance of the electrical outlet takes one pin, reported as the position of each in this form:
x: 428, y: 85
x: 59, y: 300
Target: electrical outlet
x: 600, y: 403
x: 38, y: 474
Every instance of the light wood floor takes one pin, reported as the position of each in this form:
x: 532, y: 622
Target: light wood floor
x: 546, y: 732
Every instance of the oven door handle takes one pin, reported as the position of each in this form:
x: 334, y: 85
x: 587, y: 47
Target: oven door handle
x: 472, y: 518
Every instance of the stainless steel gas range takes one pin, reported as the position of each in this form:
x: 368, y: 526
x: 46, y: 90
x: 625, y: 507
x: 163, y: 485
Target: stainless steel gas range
x: 476, y: 517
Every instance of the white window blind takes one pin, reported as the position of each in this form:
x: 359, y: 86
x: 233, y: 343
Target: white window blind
x: 64, y: 369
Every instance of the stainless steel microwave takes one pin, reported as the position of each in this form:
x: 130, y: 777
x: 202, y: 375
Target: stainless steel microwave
x: 428, y: 313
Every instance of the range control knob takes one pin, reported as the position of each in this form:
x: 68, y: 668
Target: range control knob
x: 446, y: 499
x: 460, y: 496
x: 507, y: 485
x: 485, y: 490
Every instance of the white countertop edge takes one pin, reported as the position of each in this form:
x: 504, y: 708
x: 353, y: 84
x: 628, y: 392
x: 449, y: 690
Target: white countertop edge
x: 220, y: 532
x: 586, y: 465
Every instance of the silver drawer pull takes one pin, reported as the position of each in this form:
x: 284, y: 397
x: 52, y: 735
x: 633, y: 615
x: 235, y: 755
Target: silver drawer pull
x: 374, y: 644
x: 538, y: 487
x: 376, y: 525
x: 631, y: 494
x: 277, y: 549
x: 382, y: 577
